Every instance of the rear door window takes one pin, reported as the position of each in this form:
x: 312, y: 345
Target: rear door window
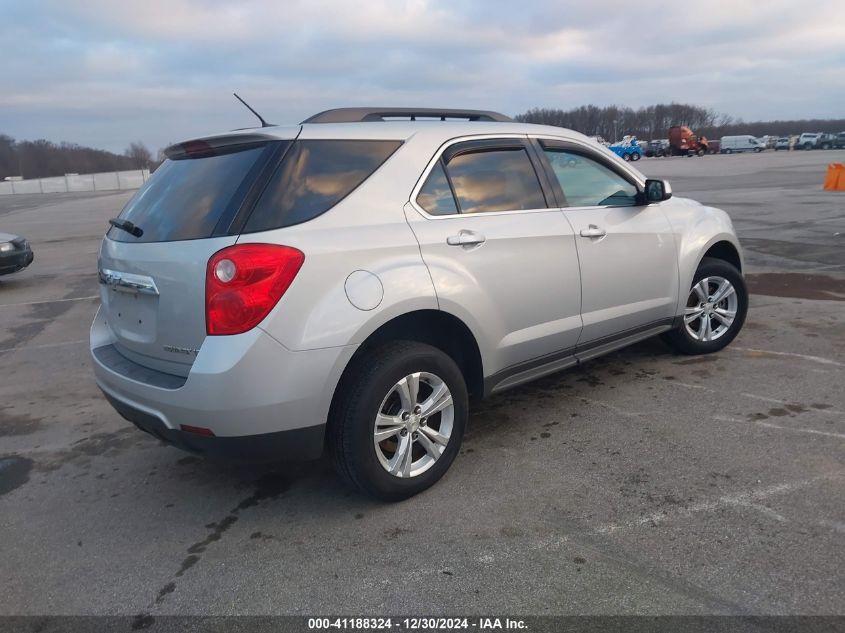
x: 189, y: 197
x: 501, y: 179
x: 313, y: 177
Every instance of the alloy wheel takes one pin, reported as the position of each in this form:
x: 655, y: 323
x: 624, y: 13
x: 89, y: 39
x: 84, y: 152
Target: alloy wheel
x: 711, y: 309
x: 413, y: 424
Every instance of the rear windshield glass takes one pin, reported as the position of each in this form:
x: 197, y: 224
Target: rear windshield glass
x: 314, y: 176
x: 186, y: 198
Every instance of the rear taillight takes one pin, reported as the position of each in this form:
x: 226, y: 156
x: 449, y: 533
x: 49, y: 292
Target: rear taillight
x: 244, y: 282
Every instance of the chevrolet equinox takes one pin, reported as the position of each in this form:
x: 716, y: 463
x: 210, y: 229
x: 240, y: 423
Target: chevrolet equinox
x: 350, y: 282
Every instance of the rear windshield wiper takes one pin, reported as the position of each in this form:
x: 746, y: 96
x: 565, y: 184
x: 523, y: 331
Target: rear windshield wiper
x: 126, y: 225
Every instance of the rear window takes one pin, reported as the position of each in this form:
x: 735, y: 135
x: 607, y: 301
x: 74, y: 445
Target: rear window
x: 187, y: 198
x: 314, y: 176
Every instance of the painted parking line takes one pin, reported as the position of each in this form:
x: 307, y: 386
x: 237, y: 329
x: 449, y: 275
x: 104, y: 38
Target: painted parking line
x: 749, y: 499
x: 44, y: 346
x: 765, y: 352
x: 34, y: 303
x: 769, y: 425
x: 751, y: 396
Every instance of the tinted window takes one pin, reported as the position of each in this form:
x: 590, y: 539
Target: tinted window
x: 587, y: 183
x: 436, y: 195
x: 186, y: 198
x: 313, y: 177
x: 495, y: 180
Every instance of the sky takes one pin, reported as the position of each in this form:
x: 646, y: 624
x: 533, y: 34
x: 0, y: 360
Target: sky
x: 105, y: 73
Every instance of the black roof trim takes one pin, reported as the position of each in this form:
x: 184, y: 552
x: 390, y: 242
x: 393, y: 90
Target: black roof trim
x: 358, y: 115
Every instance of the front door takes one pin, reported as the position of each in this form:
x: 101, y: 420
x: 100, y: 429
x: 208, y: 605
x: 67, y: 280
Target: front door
x: 627, y: 252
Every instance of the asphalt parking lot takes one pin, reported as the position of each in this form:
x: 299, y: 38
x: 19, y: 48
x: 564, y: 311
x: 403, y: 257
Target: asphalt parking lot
x: 640, y: 483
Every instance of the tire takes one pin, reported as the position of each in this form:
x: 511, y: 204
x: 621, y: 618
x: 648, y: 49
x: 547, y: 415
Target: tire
x: 682, y: 340
x: 808, y: 146
x: 729, y: 151
x: 635, y: 157
x: 826, y: 146
x: 626, y: 157
x: 369, y: 388
x: 757, y: 150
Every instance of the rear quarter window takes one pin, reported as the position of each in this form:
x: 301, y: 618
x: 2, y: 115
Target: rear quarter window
x: 313, y: 177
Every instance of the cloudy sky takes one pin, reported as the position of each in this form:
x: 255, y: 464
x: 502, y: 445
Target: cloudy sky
x: 108, y: 72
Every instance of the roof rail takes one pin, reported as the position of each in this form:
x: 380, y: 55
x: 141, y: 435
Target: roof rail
x: 357, y: 115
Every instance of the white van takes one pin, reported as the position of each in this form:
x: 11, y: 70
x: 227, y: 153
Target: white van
x: 744, y: 143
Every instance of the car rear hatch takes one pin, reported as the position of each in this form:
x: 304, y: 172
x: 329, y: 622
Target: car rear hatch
x: 153, y: 260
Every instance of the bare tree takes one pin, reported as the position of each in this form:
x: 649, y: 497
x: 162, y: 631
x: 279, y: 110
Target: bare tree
x: 651, y: 122
x: 140, y: 156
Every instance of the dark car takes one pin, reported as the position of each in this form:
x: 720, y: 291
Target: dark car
x: 826, y: 141
x: 15, y: 253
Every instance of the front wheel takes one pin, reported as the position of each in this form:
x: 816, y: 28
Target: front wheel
x: 714, y: 312
x: 398, y: 421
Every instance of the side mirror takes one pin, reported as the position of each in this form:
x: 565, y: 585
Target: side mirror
x: 657, y: 190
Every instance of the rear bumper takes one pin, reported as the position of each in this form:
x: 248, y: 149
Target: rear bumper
x: 293, y: 445
x: 260, y: 399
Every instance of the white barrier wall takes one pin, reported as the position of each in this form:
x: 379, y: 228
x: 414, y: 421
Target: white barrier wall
x: 105, y: 181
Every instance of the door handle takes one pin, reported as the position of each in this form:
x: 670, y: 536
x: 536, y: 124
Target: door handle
x: 593, y: 231
x: 466, y: 238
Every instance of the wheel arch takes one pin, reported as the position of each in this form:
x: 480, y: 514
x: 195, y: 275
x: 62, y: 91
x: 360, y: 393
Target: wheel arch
x: 437, y: 328
x: 702, y: 232
x: 726, y: 251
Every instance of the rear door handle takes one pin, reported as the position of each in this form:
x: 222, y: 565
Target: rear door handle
x: 466, y: 238
x: 593, y: 231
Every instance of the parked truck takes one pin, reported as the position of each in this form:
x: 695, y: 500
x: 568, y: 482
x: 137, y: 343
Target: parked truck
x: 683, y: 142
x: 628, y: 148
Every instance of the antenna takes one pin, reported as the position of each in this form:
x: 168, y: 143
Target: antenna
x: 249, y: 107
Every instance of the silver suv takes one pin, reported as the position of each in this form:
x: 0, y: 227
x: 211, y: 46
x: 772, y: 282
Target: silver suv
x: 352, y: 281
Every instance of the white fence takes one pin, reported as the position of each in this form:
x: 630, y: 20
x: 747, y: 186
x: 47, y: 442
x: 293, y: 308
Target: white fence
x: 105, y: 181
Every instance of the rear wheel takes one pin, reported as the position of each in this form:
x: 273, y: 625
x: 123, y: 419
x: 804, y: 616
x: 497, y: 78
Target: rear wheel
x: 626, y: 156
x: 715, y: 309
x: 635, y: 157
x: 399, y: 419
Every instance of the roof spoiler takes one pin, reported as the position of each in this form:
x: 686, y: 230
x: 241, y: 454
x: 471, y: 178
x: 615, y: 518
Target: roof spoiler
x: 357, y: 115
x: 215, y: 145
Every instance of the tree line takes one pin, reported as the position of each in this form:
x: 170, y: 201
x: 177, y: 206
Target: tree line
x: 653, y: 122
x: 42, y: 158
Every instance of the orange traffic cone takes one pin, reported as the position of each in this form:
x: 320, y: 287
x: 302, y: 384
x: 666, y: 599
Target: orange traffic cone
x: 835, y: 179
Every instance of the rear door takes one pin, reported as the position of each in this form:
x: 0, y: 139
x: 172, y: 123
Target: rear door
x: 499, y: 257
x: 153, y: 279
x: 627, y: 253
